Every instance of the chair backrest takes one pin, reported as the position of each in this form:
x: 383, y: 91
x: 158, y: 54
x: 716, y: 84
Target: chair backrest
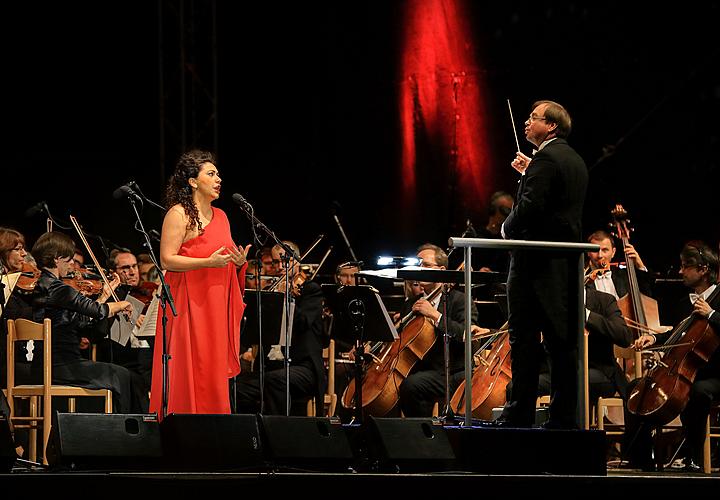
x: 21, y: 330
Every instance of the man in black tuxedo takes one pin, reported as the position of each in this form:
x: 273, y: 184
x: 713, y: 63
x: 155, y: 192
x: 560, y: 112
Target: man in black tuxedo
x: 425, y: 384
x: 615, y: 281
x: 548, y: 207
x: 699, y: 270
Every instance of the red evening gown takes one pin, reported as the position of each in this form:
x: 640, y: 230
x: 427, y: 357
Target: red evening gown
x: 204, y: 337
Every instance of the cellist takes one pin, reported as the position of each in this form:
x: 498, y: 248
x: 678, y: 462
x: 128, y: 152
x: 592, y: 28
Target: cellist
x: 699, y: 271
x: 425, y: 384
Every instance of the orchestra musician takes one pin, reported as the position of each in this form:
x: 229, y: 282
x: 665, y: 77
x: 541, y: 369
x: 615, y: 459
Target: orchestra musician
x: 425, y: 384
x: 615, y: 281
x: 75, y: 316
x: 699, y: 271
x: 307, y: 372
x: 136, y: 354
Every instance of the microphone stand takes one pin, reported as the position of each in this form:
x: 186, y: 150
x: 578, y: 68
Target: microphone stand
x: 289, y: 254
x: 342, y: 233
x: 134, y: 184
x: 165, y: 300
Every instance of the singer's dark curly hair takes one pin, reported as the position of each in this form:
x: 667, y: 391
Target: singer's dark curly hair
x: 179, y: 189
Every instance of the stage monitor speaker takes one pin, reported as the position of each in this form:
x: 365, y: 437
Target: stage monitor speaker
x: 211, y: 442
x: 105, y: 441
x: 7, y: 446
x: 408, y: 445
x: 311, y: 443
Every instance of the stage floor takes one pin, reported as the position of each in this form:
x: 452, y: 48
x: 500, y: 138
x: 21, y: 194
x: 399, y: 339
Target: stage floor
x: 355, y: 485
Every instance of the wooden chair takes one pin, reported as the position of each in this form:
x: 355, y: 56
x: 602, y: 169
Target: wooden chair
x: 22, y: 330
x: 712, y: 430
x: 330, y: 398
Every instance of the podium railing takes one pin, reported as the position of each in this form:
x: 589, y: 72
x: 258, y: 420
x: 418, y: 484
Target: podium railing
x: 580, y: 248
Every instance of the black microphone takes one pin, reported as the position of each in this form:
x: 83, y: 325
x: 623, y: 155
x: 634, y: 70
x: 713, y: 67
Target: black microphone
x: 240, y: 200
x: 125, y: 191
x: 154, y: 234
x: 38, y: 207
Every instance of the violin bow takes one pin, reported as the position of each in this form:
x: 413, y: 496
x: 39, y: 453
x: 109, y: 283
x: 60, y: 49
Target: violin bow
x: 76, y: 225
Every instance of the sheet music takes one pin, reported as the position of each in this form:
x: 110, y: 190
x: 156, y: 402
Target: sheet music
x: 9, y: 280
x: 282, y: 331
x: 147, y: 329
x: 121, y: 329
x: 275, y: 353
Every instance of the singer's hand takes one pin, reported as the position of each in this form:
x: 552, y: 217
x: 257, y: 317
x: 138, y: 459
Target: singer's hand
x: 240, y: 255
x: 521, y: 162
x: 220, y: 257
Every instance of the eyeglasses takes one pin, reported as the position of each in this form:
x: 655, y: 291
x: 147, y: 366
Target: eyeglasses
x: 535, y: 117
x: 127, y: 267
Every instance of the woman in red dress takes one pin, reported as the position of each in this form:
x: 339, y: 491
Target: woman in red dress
x: 206, y: 274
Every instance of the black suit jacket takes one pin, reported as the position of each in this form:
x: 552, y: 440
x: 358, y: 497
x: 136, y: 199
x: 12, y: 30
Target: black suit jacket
x: 606, y: 328
x: 435, y: 358
x: 550, y: 196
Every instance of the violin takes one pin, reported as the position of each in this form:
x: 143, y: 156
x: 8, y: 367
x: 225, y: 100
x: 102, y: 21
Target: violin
x: 85, y: 282
x: 28, y: 278
x: 144, y: 292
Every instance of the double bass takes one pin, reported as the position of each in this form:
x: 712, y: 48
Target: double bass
x: 639, y: 310
x: 664, y: 391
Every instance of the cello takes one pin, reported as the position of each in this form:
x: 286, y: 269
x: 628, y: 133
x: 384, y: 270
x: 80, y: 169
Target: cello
x: 639, y: 310
x: 391, y: 363
x: 663, y: 393
x: 489, y: 379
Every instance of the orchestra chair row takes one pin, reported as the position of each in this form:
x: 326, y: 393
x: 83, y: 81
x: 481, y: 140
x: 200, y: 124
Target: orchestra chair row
x: 40, y: 396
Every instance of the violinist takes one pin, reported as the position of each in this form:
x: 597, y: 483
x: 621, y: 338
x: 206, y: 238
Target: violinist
x: 12, y: 260
x: 425, y: 384
x: 74, y: 316
x: 615, y: 281
x: 699, y: 271
x: 15, y: 258
x: 307, y: 372
x: 78, y: 259
x: 148, y: 271
x: 136, y: 354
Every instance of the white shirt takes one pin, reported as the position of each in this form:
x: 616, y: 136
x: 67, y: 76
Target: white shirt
x: 604, y: 283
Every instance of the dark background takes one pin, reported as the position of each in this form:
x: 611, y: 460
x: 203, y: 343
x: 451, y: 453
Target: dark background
x: 307, y: 113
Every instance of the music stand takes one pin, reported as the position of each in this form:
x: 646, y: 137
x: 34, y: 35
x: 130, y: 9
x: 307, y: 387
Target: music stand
x: 272, y: 310
x: 359, y: 311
